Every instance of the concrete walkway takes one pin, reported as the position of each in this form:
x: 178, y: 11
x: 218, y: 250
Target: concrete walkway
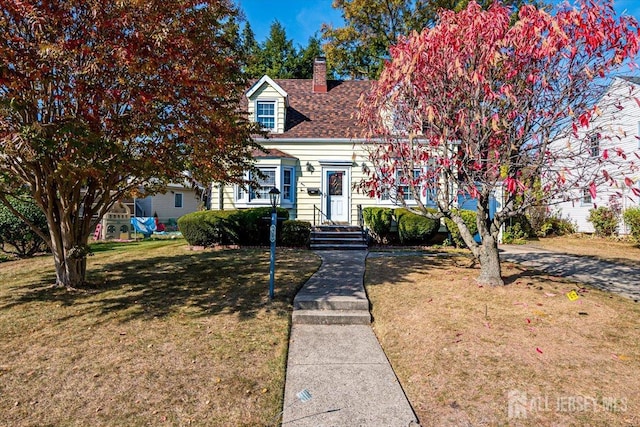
x: 604, y: 275
x: 337, y: 373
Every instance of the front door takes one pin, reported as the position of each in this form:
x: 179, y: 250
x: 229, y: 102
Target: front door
x: 337, y: 191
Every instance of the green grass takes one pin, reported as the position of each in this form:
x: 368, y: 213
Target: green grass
x: 164, y: 336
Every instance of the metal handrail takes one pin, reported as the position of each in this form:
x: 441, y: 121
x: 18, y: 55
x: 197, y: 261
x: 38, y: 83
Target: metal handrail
x: 360, y: 217
x: 320, y: 215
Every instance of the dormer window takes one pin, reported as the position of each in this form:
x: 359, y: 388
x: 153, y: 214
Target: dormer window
x: 266, y: 114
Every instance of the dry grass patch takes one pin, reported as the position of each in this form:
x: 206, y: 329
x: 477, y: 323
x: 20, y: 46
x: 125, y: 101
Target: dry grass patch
x: 460, y: 349
x: 622, y: 251
x: 168, y: 337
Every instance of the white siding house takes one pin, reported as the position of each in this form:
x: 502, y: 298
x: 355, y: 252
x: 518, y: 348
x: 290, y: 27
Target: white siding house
x: 612, y: 141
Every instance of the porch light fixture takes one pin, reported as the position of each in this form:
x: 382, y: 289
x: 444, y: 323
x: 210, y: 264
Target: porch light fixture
x: 274, y: 196
x: 310, y: 167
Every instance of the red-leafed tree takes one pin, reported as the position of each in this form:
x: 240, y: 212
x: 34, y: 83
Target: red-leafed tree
x: 477, y: 105
x: 99, y: 99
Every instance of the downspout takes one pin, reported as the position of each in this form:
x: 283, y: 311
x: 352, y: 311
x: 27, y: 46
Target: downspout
x: 221, y: 196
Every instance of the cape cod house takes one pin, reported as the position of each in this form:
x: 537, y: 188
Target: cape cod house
x: 312, y: 153
x: 613, y: 134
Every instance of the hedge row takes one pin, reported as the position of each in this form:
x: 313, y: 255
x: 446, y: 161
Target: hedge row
x: 411, y: 228
x: 245, y: 227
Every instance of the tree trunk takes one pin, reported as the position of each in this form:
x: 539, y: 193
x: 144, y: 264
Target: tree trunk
x: 70, y: 252
x: 489, y: 257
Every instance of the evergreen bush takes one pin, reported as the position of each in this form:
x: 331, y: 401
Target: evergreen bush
x: 296, y: 233
x: 632, y: 218
x: 378, y: 221
x: 414, y: 228
x: 16, y: 237
x: 469, y: 218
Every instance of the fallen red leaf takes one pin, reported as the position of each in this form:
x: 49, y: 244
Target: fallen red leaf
x: 538, y: 350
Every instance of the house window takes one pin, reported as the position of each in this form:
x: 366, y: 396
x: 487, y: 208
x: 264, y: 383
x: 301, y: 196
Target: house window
x: 586, y: 197
x: 401, y: 189
x: 266, y: 114
x: 287, y: 184
x: 264, y: 185
x: 177, y: 200
x: 594, y: 145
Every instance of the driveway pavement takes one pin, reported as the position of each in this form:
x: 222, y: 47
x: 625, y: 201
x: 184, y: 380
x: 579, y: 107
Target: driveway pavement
x: 605, y: 275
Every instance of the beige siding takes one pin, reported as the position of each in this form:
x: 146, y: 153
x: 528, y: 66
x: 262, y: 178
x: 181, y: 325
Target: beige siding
x: 164, y: 204
x: 266, y: 92
x: 314, y: 153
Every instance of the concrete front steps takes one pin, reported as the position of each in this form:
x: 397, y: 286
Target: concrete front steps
x: 338, y: 237
x: 332, y: 310
x: 335, y: 295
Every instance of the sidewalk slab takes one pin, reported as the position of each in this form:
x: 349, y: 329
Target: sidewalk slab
x: 348, y: 376
x: 342, y: 366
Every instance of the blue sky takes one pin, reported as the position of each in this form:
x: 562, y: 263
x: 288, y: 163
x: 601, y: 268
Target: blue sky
x: 300, y: 18
x: 303, y: 18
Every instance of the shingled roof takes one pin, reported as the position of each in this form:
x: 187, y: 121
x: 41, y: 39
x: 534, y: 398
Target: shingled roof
x: 322, y: 115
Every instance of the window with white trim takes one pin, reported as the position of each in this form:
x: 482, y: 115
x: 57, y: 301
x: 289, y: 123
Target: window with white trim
x: 266, y: 114
x: 279, y: 176
x: 265, y: 184
x: 586, y: 197
x: 287, y: 184
x: 177, y: 200
x: 401, y: 189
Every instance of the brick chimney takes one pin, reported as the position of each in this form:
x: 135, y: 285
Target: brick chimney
x: 320, y: 75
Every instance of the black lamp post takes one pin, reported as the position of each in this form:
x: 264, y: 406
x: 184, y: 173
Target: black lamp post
x: 274, y: 196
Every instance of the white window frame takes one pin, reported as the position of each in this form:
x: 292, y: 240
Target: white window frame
x: 258, y: 116
x: 175, y: 200
x: 244, y: 197
x: 388, y: 197
x: 585, y: 198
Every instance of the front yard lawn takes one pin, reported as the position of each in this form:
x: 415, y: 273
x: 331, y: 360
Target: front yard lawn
x: 462, y: 351
x: 166, y: 336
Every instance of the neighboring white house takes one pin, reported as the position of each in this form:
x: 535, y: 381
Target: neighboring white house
x: 313, y: 153
x: 615, y: 130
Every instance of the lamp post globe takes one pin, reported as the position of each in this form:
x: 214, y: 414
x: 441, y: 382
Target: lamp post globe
x: 274, y: 196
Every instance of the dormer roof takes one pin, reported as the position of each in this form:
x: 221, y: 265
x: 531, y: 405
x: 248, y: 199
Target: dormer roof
x: 266, y: 80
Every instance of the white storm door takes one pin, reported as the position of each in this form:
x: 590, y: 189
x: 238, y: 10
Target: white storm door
x: 337, y: 192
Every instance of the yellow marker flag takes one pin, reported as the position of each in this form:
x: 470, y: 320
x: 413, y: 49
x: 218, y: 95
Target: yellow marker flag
x: 573, y: 295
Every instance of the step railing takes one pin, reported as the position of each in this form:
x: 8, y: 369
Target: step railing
x: 320, y: 215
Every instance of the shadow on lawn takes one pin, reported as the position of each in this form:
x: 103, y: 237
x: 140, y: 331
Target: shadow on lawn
x: 397, y: 266
x: 194, y: 284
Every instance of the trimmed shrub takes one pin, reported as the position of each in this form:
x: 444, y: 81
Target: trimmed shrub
x: 16, y: 237
x: 296, y: 233
x: 206, y: 228
x: 253, y: 225
x: 605, y: 221
x: 469, y: 218
x: 414, y: 228
x: 632, y: 218
x: 247, y: 227
x: 378, y: 220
